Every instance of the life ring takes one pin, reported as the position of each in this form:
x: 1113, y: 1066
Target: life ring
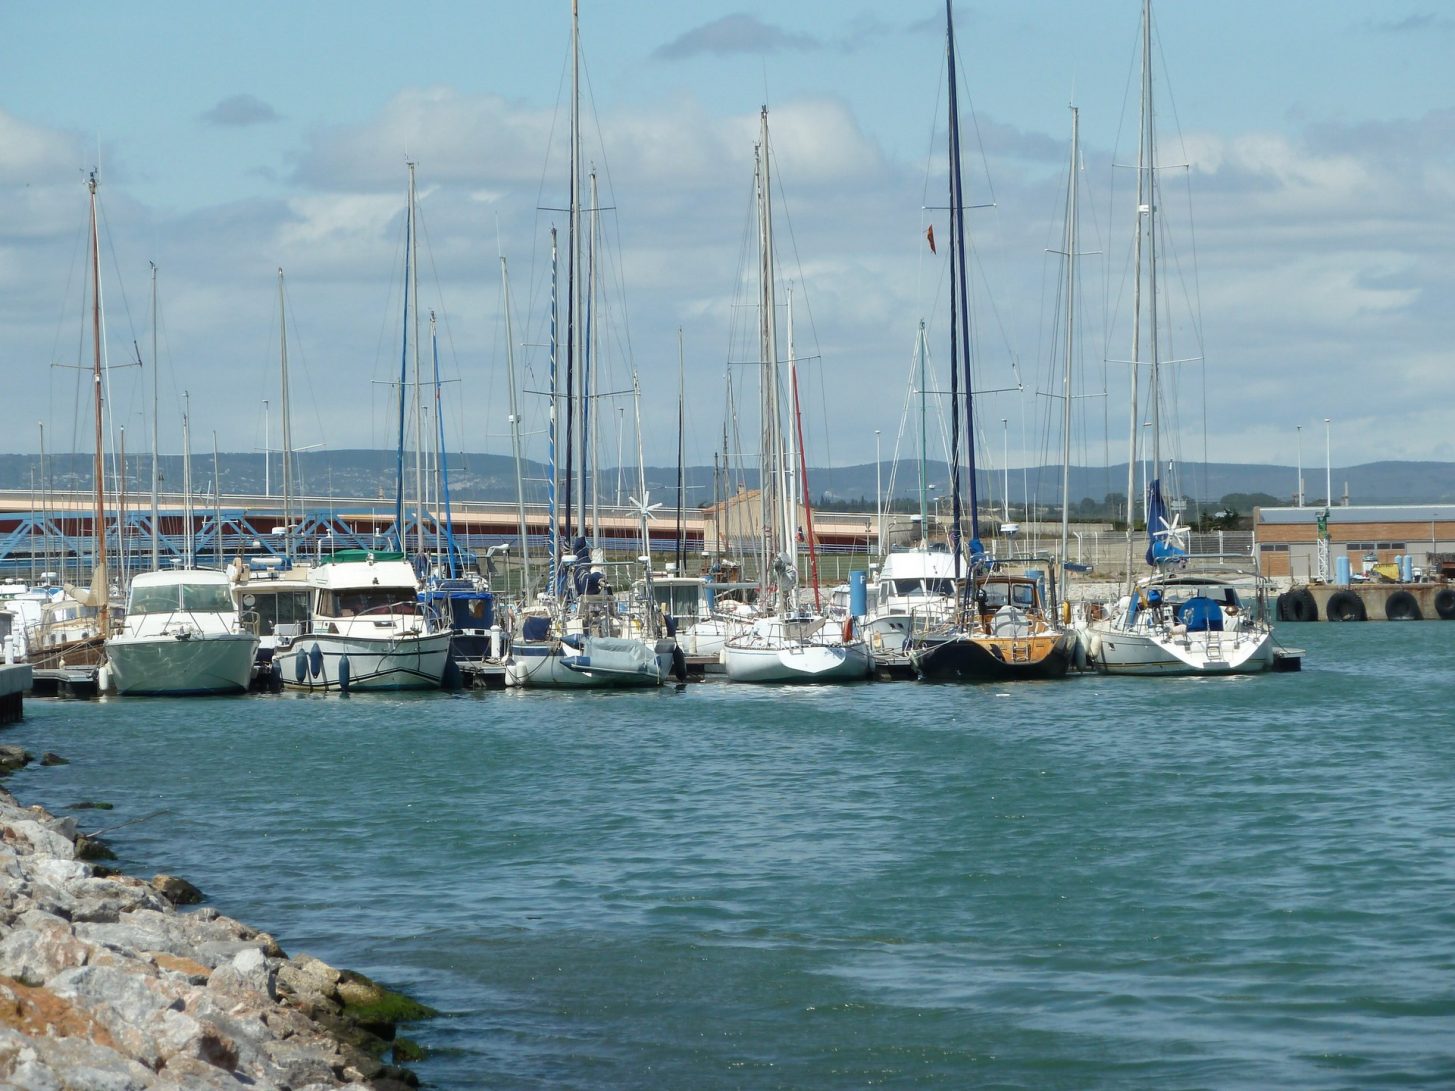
x: 1345, y: 606
x: 1445, y: 603
x: 1402, y: 606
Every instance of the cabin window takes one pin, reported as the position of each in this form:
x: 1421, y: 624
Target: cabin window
x: 1023, y: 594
x: 377, y: 602
x: 277, y: 608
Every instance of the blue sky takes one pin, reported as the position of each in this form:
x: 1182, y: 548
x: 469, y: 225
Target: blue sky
x: 1317, y: 138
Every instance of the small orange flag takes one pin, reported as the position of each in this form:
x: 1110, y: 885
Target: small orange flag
x: 930, y: 237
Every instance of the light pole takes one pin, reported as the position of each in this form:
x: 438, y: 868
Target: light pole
x: 1299, y: 491
x: 1328, y: 469
x: 1005, y: 459
x: 878, y: 497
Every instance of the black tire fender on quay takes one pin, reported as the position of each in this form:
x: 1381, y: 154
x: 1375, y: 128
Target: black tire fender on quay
x: 1345, y: 606
x: 1402, y: 606
x: 1298, y: 605
x: 1445, y: 603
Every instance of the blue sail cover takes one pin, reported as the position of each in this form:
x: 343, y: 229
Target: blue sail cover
x: 1160, y: 549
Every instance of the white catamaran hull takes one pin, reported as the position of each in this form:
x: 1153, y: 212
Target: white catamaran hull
x: 327, y: 661
x: 793, y: 661
x: 598, y: 663
x: 1117, y: 651
x: 182, y: 664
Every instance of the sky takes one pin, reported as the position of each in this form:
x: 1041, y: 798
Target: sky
x: 1306, y: 154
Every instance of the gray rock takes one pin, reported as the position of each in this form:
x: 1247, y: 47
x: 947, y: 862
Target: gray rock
x: 175, y: 890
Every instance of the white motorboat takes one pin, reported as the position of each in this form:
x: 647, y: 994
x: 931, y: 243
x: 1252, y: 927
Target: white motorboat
x: 367, y: 629
x: 182, y: 635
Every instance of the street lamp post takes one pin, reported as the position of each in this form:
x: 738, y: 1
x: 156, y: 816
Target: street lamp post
x: 1299, y: 490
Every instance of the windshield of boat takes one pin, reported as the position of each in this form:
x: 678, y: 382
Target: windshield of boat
x: 366, y: 600
x: 201, y: 598
x: 909, y: 588
x: 1001, y: 594
x: 680, y: 599
x: 276, y: 608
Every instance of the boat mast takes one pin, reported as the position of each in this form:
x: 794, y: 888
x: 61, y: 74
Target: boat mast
x: 573, y: 257
x: 680, y: 552
x: 959, y: 316
x: 1071, y: 244
x: 802, y: 460
x: 515, y: 422
x: 589, y: 345
x: 189, y: 540
x: 1144, y: 226
x: 768, y: 473
x: 921, y: 350
x: 156, y: 475
x: 98, y: 469
x: 553, y: 531
x: 413, y: 289
x: 287, y: 428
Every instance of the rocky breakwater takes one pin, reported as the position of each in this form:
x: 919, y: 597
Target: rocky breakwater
x: 105, y: 984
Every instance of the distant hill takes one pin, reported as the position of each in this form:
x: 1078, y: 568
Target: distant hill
x: 360, y: 473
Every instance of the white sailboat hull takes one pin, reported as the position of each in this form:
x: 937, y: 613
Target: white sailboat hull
x: 177, y: 665
x: 1117, y: 651
x: 599, y: 663
x: 331, y: 662
x: 794, y: 661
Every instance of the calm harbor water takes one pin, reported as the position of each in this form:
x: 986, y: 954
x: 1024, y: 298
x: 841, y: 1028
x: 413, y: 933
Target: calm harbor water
x: 1233, y: 883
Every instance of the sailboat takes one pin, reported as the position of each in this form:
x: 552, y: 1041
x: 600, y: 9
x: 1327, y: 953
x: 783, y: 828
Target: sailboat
x: 914, y: 588
x: 788, y: 643
x: 1186, y: 616
x: 367, y: 628
x: 271, y: 590
x: 72, y: 629
x: 1004, y: 629
x: 578, y: 635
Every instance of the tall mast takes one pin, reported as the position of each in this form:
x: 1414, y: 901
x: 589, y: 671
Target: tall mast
x: 573, y: 257
x: 99, y: 469
x: 680, y: 552
x: 553, y: 531
x: 287, y: 427
x: 1071, y: 244
x: 515, y: 423
x: 770, y: 473
x: 802, y: 460
x: 189, y: 545
x: 1146, y: 234
x: 921, y: 350
x: 419, y: 410
x: 959, y: 316
x: 442, y: 462
x: 156, y: 475
x: 588, y: 366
